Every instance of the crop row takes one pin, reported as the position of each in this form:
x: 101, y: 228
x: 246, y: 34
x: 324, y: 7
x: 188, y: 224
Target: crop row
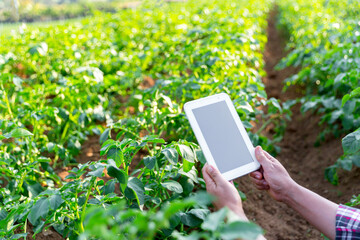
x: 125, y: 77
x: 325, y: 44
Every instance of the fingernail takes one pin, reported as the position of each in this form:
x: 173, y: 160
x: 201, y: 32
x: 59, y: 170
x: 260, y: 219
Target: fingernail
x: 257, y: 176
x: 210, y: 169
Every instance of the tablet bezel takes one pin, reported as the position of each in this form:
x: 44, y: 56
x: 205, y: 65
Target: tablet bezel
x: 237, y: 172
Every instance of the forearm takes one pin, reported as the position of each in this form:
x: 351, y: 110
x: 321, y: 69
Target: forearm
x: 317, y: 210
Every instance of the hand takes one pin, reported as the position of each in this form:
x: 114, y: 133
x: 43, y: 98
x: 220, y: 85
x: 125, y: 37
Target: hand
x: 224, y: 191
x: 272, y: 176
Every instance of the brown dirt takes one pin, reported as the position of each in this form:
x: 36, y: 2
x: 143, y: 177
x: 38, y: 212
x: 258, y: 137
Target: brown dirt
x: 49, y: 234
x: 305, y: 162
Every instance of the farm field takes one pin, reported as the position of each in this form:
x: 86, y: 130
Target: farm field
x: 94, y: 143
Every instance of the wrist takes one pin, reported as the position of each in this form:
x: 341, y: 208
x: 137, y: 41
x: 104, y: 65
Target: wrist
x: 239, y: 211
x: 242, y: 216
x: 291, y: 193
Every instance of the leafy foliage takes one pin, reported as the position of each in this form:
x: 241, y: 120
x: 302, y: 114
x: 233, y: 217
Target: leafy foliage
x: 125, y: 78
x: 325, y: 38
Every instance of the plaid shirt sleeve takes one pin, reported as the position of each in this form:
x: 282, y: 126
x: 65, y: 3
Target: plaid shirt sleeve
x: 347, y: 223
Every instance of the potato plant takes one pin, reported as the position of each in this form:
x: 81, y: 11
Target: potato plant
x: 125, y: 78
x: 325, y: 43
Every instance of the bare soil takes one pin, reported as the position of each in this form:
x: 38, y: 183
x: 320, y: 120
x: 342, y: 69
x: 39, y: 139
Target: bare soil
x: 305, y: 162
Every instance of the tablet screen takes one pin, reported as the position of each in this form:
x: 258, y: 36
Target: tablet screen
x: 222, y: 136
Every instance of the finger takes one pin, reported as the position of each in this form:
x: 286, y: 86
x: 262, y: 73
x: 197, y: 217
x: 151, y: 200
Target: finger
x: 271, y: 158
x: 260, y: 156
x: 256, y: 175
x: 262, y: 187
x: 215, y: 174
x: 261, y: 182
x: 208, y: 180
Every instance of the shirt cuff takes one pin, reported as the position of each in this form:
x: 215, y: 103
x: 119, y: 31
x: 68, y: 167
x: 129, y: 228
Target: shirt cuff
x: 347, y: 223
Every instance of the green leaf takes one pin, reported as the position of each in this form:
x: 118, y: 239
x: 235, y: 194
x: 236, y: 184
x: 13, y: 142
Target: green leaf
x: 106, y: 146
x: 39, y: 210
x: 187, y: 166
x: 39, y: 227
x: 150, y: 162
x: 214, y: 220
x: 246, y: 107
x: 275, y: 103
x: 138, y: 187
x: 18, y: 133
x: 40, y: 49
x: 187, y: 184
x: 171, y: 155
x: 105, y: 135
x: 55, y: 201
x: 34, y: 188
x: 174, y: 220
x: 19, y: 235
x: 153, y: 139
x: 247, y: 124
x: 345, y: 99
x: 187, y: 153
x: 97, y: 172
x: 355, y: 159
x: 240, y: 230
x: 331, y: 175
x: 190, y: 219
x: 200, y: 156
x: 177, y: 206
x: 199, y: 213
x: 17, y: 81
x: 109, y: 187
x: 202, y: 198
x: 117, y: 173
x: 346, y: 164
x: 355, y: 92
x: 117, y: 155
x: 172, y: 186
x: 339, y: 77
x: 351, y: 142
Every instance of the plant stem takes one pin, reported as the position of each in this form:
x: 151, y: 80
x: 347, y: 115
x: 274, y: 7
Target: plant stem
x: 264, y: 125
x: 67, y: 125
x: 7, y: 102
x: 25, y: 228
x: 22, y: 180
x: 86, y: 201
x: 55, y: 160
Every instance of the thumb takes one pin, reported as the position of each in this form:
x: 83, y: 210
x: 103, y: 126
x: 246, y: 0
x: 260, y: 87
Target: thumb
x: 260, y: 156
x: 214, y: 174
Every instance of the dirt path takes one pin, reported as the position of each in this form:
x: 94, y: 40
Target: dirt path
x: 305, y: 162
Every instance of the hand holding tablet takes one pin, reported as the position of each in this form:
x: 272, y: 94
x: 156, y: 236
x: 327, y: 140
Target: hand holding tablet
x: 221, y: 135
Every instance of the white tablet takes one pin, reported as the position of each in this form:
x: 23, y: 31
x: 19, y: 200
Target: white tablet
x: 221, y: 135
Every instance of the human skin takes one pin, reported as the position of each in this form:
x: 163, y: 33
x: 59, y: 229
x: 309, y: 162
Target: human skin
x: 273, y: 178
x: 225, y: 193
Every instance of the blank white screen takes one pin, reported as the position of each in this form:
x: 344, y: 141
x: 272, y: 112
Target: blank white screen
x: 222, y: 136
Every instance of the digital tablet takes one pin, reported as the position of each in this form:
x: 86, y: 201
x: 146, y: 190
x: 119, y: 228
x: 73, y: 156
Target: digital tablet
x: 221, y: 135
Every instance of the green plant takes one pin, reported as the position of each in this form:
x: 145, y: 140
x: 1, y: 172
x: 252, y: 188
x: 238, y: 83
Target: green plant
x: 125, y: 77
x: 324, y: 42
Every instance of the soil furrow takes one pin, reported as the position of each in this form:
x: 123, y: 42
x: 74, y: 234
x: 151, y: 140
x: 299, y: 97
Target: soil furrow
x: 305, y: 162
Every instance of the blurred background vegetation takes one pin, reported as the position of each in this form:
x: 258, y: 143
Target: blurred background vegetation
x: 12, y: 11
